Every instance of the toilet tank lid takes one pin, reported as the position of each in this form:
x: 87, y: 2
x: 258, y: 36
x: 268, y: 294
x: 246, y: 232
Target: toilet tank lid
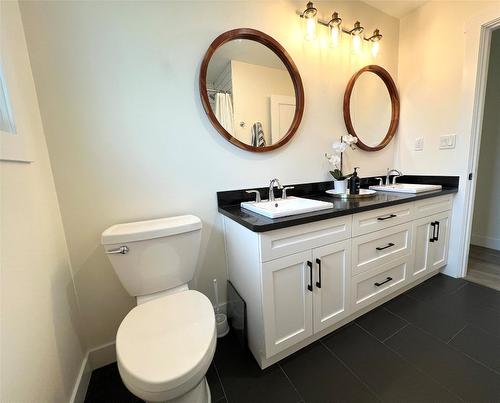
x: 142, y: 230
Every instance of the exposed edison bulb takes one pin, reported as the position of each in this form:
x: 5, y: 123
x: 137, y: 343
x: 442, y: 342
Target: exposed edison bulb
x: 356, y: 43
x: 311, y: 19
x: 335, y: 36
x: 375, y: 48
x: 311, y: 24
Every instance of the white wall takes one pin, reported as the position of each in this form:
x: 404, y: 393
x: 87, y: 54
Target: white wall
x: 486, y: 223
x: 431, y: 62
x: 128, y: 138
x: 41, y: 352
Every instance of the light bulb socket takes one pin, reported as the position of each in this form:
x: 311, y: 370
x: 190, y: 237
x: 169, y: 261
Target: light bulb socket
x: 335, y: 21
x: 377, y: 36
x: 357, y: 30
x: 310, y: 11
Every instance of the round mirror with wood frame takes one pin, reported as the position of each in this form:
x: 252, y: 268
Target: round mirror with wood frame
x: 248, y: 40
x: 369, y: 110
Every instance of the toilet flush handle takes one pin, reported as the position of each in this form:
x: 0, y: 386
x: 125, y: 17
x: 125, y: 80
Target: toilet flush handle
x: 122, y: 250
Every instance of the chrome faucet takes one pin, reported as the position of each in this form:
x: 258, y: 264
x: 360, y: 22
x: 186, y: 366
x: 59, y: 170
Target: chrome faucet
x: 389, y: 172
x: 271, y: 188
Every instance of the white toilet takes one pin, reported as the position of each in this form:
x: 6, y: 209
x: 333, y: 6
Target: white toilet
x: 165, y: 344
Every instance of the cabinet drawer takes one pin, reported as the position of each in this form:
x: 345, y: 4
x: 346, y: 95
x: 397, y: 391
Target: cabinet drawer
x: 374, y: 249
x: 370, y: 286
x: 375, y: 220
x: 286, y: 241
x: 433, y: 205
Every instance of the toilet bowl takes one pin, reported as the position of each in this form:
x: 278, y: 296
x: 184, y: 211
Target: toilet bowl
x: 164, y: 346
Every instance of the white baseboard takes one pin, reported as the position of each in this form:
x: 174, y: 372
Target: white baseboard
x: 484, y: 241
x: 82, y: 381
x: 102, y: 355
x: 96, y: 358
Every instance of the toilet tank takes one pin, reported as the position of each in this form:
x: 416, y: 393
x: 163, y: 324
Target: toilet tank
x: 154, y: 255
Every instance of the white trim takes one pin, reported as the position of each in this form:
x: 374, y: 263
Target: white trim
x: 485, y: 241
x: 477, y: 46
x: 102, y: 355
x: 82, y: 382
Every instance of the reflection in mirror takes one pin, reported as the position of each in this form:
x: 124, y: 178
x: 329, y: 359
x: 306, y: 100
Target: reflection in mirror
x: 370, y: 108
x: 251, y: 92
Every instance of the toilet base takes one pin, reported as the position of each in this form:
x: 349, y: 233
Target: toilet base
x: 199, y: 394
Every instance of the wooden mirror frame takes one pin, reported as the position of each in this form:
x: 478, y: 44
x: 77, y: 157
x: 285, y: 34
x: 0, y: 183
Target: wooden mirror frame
x: 271, y: 43
x: 395, y: 106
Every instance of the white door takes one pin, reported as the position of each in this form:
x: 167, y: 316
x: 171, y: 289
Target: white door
x: 423, y: 241
x: 441, y: 238
x: 282, y: 113
x: 332, y: 284
x: 287, y: 301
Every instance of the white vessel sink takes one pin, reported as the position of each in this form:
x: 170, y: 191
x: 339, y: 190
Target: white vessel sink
x: 289, y: 206
x: 406, y: 188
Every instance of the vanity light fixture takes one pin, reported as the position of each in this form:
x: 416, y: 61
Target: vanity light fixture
x: 356, y: 37
x: 310, y: 16
x: 335, y: 30
x: 375, y: 40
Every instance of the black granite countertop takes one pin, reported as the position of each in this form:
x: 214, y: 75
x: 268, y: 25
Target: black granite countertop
x: 229, y: 202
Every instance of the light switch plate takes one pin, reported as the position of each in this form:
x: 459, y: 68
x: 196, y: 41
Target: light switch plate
x: 447, y: 141
x: 419, y: 144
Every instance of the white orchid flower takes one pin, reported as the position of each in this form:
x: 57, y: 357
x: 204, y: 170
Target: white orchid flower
x: 339, y: 147
x: 349, y: 139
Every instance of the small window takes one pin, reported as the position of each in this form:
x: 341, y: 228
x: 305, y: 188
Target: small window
x: 6, y: 118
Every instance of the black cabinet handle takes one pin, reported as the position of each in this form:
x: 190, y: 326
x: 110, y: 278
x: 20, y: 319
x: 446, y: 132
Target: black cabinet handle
x: 386, y: 217
x: 385, y: 247
x: 310, y: 286
x: 433, y: 237
x: 318, y: 283
x: 383, y: 282
x: 436, y: 238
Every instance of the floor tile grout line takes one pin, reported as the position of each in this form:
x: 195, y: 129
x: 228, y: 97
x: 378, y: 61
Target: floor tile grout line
x: 394, y: 334
x: 457, y: 333
x: 291, y: 383
x: 451, y: 345
x: 351, y: 371
x: 415, y: 367
x: 220, y: 381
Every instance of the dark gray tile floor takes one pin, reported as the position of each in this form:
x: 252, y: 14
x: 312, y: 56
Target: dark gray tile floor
x: 439, y: 342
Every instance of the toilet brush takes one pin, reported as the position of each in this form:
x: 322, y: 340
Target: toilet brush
x: 220, y: 318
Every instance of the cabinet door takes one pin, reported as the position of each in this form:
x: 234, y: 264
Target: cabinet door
x: 332, y: 284
x: 431, y: 243
x: 287, y: 301
x: 423, y: 235
x: 439, y: 255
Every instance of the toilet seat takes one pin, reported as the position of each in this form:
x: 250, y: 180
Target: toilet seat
x: 165, y: 346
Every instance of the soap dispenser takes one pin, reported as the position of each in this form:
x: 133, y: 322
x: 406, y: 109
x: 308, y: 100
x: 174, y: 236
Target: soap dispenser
x: 355, y: 183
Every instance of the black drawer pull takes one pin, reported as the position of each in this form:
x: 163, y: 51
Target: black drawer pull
x: 386, y: 217
x: 436, y: 238
x: 433, y: 237
x: 318, y: 283
x: 310, y: 285
x: 385, y: 247
x: 383, y: 282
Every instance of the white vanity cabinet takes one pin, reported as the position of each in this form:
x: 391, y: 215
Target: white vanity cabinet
x: 304, y: 281
x: 304, y: 293
x: 432, y: 236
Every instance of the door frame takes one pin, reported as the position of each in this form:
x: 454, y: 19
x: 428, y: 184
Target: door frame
x: 475, y: 73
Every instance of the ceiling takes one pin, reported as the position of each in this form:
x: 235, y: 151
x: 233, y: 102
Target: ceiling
x: 396, y: 8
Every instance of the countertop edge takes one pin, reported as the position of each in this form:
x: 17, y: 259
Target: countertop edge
x: 313, y: 217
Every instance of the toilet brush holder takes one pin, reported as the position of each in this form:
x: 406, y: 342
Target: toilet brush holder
x: 221, y: 323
